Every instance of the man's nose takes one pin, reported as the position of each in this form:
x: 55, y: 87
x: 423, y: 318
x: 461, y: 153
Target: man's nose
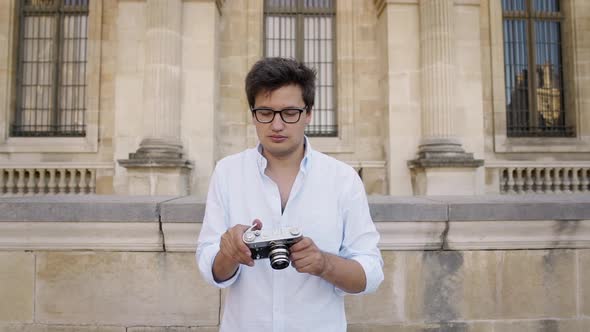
x: 277, y: 123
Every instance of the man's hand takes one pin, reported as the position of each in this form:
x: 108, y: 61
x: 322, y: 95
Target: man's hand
x: 232, y: 252
x: 346, y: 274
x: 306, y: 257
x: 233, y: 248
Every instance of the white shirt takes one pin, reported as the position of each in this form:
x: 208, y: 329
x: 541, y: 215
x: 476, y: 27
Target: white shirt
x: 327, y: 202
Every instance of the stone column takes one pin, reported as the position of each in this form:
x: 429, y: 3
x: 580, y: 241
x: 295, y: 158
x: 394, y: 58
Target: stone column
x: 158, y: 167
x: 442, y: 166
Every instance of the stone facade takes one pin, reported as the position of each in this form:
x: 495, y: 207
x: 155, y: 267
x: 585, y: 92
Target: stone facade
x: 383, y: 49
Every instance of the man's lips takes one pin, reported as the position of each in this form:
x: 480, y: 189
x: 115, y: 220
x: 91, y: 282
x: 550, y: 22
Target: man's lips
x: 277, y: 138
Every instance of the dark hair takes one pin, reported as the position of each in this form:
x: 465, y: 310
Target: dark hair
x: 270, y: 74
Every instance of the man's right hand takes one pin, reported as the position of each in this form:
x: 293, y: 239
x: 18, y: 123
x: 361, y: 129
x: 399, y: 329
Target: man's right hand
x: 232, y: 252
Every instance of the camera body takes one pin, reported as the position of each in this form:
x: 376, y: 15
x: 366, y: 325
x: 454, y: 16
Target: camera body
x: 272, y: 244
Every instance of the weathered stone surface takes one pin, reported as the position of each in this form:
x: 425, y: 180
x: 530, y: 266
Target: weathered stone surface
x: 517, y: 234
x: 444, y: 327
x: 480, y: 285
x: 59, y: 328
x: 519, y: 207
x: 383, y: 328
x: 174, y: 329
x: 584, y: 282
x: 390, y: 208
x: 434, y: 286
x: 185, y: 209
x: 443, y: 277
x: 151, y: 289
x: 380, y: 307
x: 543, y: 326
x: 16, y: 286
x: 537, y: 284
x: 383, y: 208
x: 80, y: 208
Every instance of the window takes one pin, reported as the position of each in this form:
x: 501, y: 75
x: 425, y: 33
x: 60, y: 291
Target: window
x: 534, y: 69
x: 51, y: 68
x: 304, y: 30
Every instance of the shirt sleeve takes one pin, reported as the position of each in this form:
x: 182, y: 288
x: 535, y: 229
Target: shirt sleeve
x: 360, y: 236
x: 215, y: 223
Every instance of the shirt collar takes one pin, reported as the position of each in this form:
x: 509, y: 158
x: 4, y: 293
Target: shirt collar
x: 305, y: 162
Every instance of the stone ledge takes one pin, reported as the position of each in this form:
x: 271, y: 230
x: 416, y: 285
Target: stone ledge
x: 519, y: 207
x: 120, y: 236
x: 517, y: 234
x: 75, y: 208
x: 184, y: 209
x: 169, y: 223
x: 435, y: 208
x: 391, y: 208
x: 182, y: 237
x: 383, y: 208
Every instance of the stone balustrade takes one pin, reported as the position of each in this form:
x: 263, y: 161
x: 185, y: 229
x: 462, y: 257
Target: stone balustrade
x: 126, y: 263
x: 542, y: 180
x: 40, y: 181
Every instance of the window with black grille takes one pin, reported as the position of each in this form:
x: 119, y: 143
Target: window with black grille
x: 534, y: 69
x: 305, y: 30
x: 51, y: 68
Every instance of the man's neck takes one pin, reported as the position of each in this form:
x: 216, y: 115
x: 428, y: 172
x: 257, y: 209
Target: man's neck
x: 287, y: 162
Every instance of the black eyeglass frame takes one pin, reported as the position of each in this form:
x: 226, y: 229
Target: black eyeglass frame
x: 301, y: 110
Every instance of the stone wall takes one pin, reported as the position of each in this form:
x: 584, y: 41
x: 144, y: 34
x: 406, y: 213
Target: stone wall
x: 115, y: 263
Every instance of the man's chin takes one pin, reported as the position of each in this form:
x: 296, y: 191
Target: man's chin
x: 277, y: 149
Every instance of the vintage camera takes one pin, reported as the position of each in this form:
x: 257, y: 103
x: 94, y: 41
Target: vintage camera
x: 272, y: 244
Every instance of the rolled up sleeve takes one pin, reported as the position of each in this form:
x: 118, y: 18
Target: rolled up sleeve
x: 215, y: 223
x: 360, y: 237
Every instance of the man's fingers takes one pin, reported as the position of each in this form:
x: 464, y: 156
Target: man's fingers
x: 234, y: 247
x: 306, y: 265
x: 302, y: 244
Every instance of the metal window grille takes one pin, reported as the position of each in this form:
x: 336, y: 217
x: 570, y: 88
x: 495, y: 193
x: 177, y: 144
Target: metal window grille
x: 51, y: 80
x: 305, y: 30
x: 534, y: 69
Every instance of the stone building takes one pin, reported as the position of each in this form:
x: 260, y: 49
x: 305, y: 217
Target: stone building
x: 467, y: 98
x: 421, y: 97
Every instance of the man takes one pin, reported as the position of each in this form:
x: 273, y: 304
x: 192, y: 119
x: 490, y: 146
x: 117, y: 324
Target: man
x: 283, y: 182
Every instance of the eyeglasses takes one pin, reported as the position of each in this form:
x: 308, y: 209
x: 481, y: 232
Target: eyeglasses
x: 288, y: 115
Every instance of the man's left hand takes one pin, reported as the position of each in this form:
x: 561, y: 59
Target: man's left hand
x: 306, y: 257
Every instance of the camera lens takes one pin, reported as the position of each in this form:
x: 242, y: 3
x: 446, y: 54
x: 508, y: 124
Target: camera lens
x: 279, y: 256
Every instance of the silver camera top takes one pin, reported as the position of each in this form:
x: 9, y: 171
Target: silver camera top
x: 263, y: 237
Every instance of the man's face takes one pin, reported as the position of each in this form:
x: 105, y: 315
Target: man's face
x: 278, y: 138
